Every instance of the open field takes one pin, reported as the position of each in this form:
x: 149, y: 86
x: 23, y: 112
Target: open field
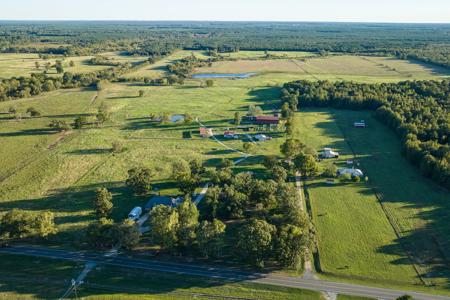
x: 368, y: 246
x: 159, y: 68
x: 23, y: 64
x: 35, y: 278
x: 44, y: 169
x: 29, y: 278
x: 342, y: 67
x: 262, y: 54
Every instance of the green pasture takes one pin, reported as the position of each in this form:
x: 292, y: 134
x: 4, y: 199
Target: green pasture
x: 392, y: 241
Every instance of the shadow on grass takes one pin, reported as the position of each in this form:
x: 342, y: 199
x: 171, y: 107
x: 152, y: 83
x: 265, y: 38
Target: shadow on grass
x: 417, y: 208
x: 90, y: 151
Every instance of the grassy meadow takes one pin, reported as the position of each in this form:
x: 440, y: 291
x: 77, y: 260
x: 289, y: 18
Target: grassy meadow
x: 24, y: 64
x: 336, y: 67
x: 39, y: 278
x: 387, y: 231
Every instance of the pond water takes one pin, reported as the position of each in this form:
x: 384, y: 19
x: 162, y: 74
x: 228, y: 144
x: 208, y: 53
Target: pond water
x: 176, y: 118
x: 223, y: 75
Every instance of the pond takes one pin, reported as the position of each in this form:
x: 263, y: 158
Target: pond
x: 223, y: 75
x: 176, y: 118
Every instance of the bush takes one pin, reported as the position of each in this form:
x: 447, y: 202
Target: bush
x: 356, y: 179
x: 330, y: 171
x: 33, y: 112
x: 209, y: 83
x: 345, y: 178
x: 117, y: 147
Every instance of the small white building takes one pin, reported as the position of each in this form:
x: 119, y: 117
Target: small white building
x: 352, y: 172
x: 328, y: 153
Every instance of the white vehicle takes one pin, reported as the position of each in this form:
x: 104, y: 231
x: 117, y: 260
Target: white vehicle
x: 135, y: 214
x: 262, y: 137
x: 328, y: 153
x: 353, y: 172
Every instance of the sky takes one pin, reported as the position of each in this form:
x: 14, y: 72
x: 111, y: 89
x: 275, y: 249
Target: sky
x: 397, y: 11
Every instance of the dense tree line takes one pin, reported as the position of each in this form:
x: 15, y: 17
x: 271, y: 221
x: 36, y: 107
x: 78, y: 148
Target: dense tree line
x: 418, y: 111
x: 425, y: 42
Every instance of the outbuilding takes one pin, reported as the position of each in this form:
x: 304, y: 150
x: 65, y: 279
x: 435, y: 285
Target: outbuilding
x: 206, y: 132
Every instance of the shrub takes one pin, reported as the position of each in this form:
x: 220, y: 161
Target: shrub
x: 117, y: 147
x: 345, y: 178
x: 33, y: 112
x: 330, y: 171
x: 356, y: 179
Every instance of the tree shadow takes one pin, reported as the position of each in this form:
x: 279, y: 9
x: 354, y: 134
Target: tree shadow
x: 29, y: 132
x: 90, y: 151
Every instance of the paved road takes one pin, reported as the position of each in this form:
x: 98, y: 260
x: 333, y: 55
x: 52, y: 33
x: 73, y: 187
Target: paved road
x: 219, y: 273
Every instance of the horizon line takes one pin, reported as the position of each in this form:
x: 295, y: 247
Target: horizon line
x: 227, y: 21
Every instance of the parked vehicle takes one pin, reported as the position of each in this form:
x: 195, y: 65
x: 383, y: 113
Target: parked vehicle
x: 135, y: 214
x: 328, y: 153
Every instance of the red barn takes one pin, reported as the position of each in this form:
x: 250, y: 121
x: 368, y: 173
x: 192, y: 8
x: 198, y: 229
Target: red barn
x: 267, y: 120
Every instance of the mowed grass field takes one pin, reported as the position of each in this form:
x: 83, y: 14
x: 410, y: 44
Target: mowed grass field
x: 395, y: 241
x: 23, y: 64
x: 339, y: 67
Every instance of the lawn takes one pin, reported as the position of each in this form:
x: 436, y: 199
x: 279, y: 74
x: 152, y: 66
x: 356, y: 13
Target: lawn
x: 357, y: 236
x: 35, y: 278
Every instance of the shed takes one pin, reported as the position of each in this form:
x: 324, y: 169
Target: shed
x: 206, y: 132
x: 267, y: 120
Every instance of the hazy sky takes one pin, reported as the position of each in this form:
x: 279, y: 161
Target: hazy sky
x: 436, y: 11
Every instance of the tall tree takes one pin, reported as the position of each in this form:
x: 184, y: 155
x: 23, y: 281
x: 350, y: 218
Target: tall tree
x: 292, y: 245
x: 188, y: 223
x: 140, y: 180
x: 255, y: 241
x: 306, y: 164
x: 164, y: 224
x: 291, y: 148
x: 210, y: 237
x: 103, y: 203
